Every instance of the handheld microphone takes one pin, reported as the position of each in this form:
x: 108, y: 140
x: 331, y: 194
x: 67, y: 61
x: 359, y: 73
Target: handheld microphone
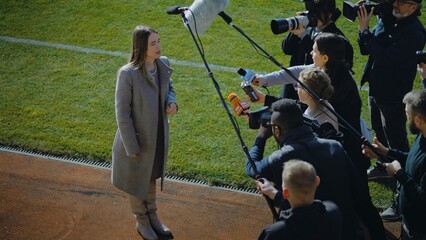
x: 176, y: 10
x: 248, y: 77
x: 238, y: 105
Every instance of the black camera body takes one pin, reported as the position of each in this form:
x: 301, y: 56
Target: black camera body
x: 421, y: 56
x: 350, y: 10
x: 325, y: 130
x: 259, y: 117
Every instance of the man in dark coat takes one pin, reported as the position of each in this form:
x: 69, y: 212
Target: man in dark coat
x: 391, y: 67
x: 412, y: 176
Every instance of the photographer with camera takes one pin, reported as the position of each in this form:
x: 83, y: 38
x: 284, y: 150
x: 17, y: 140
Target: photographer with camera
x: 390, y: 72
x: 340, y: 181
x: 298, y: 43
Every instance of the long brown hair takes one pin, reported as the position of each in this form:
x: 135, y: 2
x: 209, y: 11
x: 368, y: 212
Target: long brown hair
x: 140, y: 46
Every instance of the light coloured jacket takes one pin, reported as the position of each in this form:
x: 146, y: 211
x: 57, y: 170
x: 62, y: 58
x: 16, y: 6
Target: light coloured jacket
x: 136, y: 109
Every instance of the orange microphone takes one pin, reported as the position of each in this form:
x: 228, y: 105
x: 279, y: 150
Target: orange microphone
x: 238, y: 105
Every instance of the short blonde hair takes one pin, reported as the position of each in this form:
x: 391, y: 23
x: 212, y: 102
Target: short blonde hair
x: 299, y: 176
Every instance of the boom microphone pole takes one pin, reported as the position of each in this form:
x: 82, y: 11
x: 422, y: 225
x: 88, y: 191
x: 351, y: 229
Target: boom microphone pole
x: 355, y: 133
x: 215, y: 83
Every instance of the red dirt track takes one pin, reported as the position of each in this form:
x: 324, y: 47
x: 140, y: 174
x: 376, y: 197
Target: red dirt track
x: 49, y: 199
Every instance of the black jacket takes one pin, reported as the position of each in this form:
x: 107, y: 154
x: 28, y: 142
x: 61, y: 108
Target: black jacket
x: 391, y: 67
x: 346, y: 101
x: 412, y: 197
x: 319, y: 221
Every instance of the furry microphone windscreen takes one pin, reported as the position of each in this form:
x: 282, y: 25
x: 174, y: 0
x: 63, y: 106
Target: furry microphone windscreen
x: 202, y: 13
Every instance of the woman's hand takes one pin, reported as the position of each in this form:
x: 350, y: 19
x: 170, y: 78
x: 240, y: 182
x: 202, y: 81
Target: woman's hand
x: 256, y: 81
x: 364, y: 18
x: 259, y: 94
x: 392, y: 167
x: 171, y: 109
x: 421, y: 69
x: 298, y: 31
x: 378, y: 146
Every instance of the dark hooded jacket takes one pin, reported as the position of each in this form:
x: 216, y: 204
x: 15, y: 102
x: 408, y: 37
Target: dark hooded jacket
x: 319, y: 221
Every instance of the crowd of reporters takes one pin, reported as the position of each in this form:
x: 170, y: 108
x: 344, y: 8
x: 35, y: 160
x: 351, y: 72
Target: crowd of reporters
x: 319, y: 85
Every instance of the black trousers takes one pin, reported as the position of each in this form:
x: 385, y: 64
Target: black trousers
x: 410, y: 235
x: 369, y: 215
x: 388, y: 120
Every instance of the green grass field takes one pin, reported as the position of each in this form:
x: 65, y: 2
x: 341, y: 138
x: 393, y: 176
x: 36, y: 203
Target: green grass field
x: 57, y: 92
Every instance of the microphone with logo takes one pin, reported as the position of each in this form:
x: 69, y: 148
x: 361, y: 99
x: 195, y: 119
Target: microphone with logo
x: 248, y: 77
x: 238, y: 105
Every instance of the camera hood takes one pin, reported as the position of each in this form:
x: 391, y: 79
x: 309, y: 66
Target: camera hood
x: 259, y: 116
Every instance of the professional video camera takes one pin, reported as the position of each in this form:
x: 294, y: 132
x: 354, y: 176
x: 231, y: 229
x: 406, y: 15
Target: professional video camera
x: 350, y: 10
x: 421, y: 56
x: 259, y: 117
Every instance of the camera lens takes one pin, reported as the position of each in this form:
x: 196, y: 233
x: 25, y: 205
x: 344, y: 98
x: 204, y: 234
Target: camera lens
x: 281, y: 25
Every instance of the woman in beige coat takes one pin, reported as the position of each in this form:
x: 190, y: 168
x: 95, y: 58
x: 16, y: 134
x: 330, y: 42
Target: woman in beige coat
x: 144, y: 96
